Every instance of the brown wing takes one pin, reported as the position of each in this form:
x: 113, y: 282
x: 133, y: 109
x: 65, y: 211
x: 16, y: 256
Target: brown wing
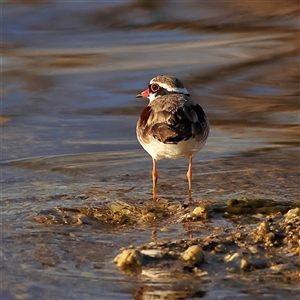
x: 171, y: 123
x: 200, y: 124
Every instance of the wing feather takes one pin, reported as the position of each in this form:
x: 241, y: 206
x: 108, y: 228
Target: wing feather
x: 172, y: 120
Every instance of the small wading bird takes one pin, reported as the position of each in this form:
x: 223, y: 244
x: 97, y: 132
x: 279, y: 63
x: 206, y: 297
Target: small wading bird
x: 172, y: 125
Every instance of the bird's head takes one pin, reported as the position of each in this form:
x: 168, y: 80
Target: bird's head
x: 163, y: 85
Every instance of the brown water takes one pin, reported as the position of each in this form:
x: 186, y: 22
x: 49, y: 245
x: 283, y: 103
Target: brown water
x: 70, y: 72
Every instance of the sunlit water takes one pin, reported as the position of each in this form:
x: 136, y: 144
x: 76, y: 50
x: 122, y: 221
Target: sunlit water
x: 70, y: 74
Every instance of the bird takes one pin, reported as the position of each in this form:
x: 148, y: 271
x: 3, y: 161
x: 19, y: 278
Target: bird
x: 172, y: 125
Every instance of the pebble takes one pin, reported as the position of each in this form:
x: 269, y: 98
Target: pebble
x: 193, y: 255
x: 130, y: 258
x: 237, y: 261
x: 283, y: 268
x: 292, y: 213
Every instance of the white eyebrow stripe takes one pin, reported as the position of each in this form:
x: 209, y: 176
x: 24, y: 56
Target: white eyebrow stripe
x: 178, y: 90
x: 173, y: 89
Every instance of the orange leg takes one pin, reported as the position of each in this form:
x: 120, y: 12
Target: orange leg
x: 189, y: 175
x: 154, y: 178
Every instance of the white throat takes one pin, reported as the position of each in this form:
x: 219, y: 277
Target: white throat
x: 152, y: 97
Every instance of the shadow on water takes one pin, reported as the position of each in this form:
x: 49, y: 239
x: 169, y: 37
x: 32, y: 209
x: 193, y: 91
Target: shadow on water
x: 76, y: 186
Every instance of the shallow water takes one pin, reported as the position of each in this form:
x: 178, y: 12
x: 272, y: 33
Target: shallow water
x: 70, y: 74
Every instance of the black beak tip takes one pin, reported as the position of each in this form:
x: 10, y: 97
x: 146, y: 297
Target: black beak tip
x: 138, y: 96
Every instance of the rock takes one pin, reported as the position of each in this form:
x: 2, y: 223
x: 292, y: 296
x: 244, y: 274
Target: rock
x: 292, y: 213
x: 193, y: 255
x: 288, y: 267
x: 236, y: 261
x: 199, y: 210
x: 130, y: 261
x: 263, y: 227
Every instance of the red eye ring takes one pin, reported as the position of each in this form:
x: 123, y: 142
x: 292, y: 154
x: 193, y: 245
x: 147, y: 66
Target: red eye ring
x: 154, y: 87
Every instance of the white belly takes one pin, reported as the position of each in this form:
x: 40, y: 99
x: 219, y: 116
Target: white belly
x: 183, y: 149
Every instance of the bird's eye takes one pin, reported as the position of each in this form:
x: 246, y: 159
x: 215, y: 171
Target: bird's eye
x: 154, y: 87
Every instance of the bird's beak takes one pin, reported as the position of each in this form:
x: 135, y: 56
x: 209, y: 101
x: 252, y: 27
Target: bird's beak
x: 144, y: 94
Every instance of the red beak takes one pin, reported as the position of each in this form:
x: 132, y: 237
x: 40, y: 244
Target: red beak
x: 144, y: 94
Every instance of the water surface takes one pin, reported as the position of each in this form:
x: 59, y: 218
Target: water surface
x: 70, y: 74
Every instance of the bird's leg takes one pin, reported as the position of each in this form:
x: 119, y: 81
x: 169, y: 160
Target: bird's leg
x: 189, y: 175
x: 154, y: 178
